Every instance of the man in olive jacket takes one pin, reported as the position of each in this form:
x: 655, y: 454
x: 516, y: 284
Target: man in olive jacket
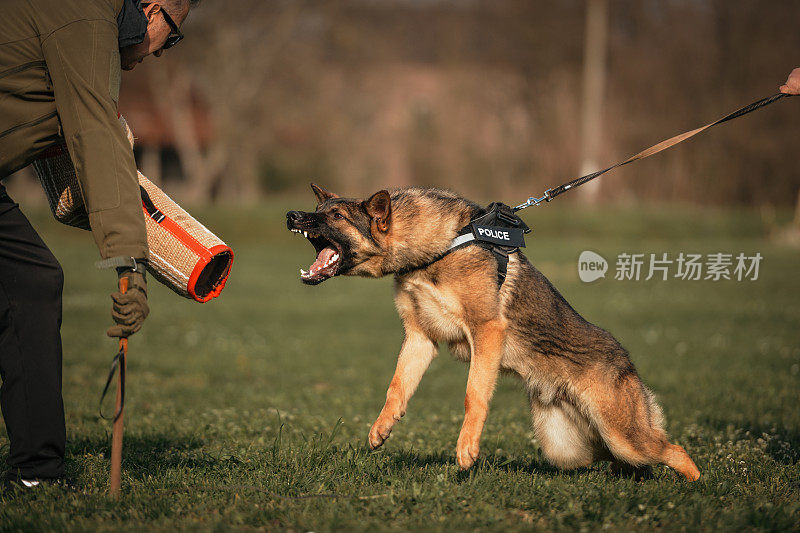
x: 60, y: 63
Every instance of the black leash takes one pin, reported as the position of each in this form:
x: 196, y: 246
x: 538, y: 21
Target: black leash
x: 117, y: 362
x: 549, y: 194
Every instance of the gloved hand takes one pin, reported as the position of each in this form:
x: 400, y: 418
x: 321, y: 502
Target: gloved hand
x: 129, y: 309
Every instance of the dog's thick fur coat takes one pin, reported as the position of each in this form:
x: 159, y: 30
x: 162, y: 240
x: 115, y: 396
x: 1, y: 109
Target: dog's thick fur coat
x: 586, y: 398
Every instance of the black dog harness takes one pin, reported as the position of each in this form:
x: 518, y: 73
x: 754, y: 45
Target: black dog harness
x: 499, y: 230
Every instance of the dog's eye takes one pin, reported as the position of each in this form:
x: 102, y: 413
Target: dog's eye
x: 337, y: 215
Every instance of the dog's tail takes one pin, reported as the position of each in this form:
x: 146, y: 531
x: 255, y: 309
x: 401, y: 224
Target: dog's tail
x: 628, y: 418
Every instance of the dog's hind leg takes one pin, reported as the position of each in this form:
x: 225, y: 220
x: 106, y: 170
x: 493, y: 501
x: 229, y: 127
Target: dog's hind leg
x: 630, y: 423
x: 487, y: 352
x: 415, y: 356
x: 566, y: 437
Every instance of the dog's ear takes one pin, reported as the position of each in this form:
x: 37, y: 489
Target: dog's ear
x: 322, y: 194
x: 379, y: 207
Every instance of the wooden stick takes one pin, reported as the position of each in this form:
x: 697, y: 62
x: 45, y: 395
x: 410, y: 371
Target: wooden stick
x: 117, y: 432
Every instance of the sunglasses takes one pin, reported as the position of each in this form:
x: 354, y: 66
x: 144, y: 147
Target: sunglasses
x: 175, y: 36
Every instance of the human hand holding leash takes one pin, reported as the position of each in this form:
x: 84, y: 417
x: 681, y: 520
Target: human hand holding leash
x: 130, y: 307
x: 792, y: 85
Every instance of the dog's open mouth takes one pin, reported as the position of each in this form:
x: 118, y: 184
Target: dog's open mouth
x: 328, y: 259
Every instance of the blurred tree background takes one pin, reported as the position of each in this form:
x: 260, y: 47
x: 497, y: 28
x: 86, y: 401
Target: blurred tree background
x: 481, y: 96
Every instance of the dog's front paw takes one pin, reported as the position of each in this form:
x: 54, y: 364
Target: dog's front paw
x: 378, y: 434
x: 467, y: 452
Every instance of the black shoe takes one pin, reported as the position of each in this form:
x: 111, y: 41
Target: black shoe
x: 17, y: 483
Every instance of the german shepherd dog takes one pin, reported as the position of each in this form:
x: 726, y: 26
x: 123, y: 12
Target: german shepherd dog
x: 587, y: 401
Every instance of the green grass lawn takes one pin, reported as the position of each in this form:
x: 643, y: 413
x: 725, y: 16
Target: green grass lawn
x: 237, y: 407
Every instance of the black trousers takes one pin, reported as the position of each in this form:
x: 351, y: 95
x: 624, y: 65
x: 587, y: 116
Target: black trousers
x: 31, y: 281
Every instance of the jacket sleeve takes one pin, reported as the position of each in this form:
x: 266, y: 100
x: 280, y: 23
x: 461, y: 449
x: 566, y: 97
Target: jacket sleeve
x: 84, y: 65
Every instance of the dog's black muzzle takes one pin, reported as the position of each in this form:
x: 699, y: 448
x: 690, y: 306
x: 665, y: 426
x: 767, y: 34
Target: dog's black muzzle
x: 302, y: 220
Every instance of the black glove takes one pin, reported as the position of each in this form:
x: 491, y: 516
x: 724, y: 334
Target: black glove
x: 129, y: 309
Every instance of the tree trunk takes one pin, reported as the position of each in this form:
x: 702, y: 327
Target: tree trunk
x: 594, y: 78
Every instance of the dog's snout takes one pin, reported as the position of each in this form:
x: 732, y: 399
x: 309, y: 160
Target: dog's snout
x: 301, y: 220
x: 293, y: 218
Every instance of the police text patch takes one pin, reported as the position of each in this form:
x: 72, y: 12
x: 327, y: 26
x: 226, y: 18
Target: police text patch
x: 503, y: 236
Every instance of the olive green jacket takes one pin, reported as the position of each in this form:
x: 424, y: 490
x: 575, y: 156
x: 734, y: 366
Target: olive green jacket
x: 60, y: 76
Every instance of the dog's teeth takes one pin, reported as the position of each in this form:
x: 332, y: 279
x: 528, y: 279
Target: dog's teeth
x: 305, y: 234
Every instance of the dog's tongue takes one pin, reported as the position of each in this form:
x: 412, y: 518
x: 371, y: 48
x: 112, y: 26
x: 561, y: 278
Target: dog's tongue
x: 324, y: 267
x: 325, y: 257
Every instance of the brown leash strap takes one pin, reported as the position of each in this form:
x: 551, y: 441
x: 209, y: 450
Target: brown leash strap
x: 117, y: 431
x: 663, y: 145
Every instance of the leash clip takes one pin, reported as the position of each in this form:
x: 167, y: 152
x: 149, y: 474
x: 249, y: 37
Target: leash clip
x: 546, y: 197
